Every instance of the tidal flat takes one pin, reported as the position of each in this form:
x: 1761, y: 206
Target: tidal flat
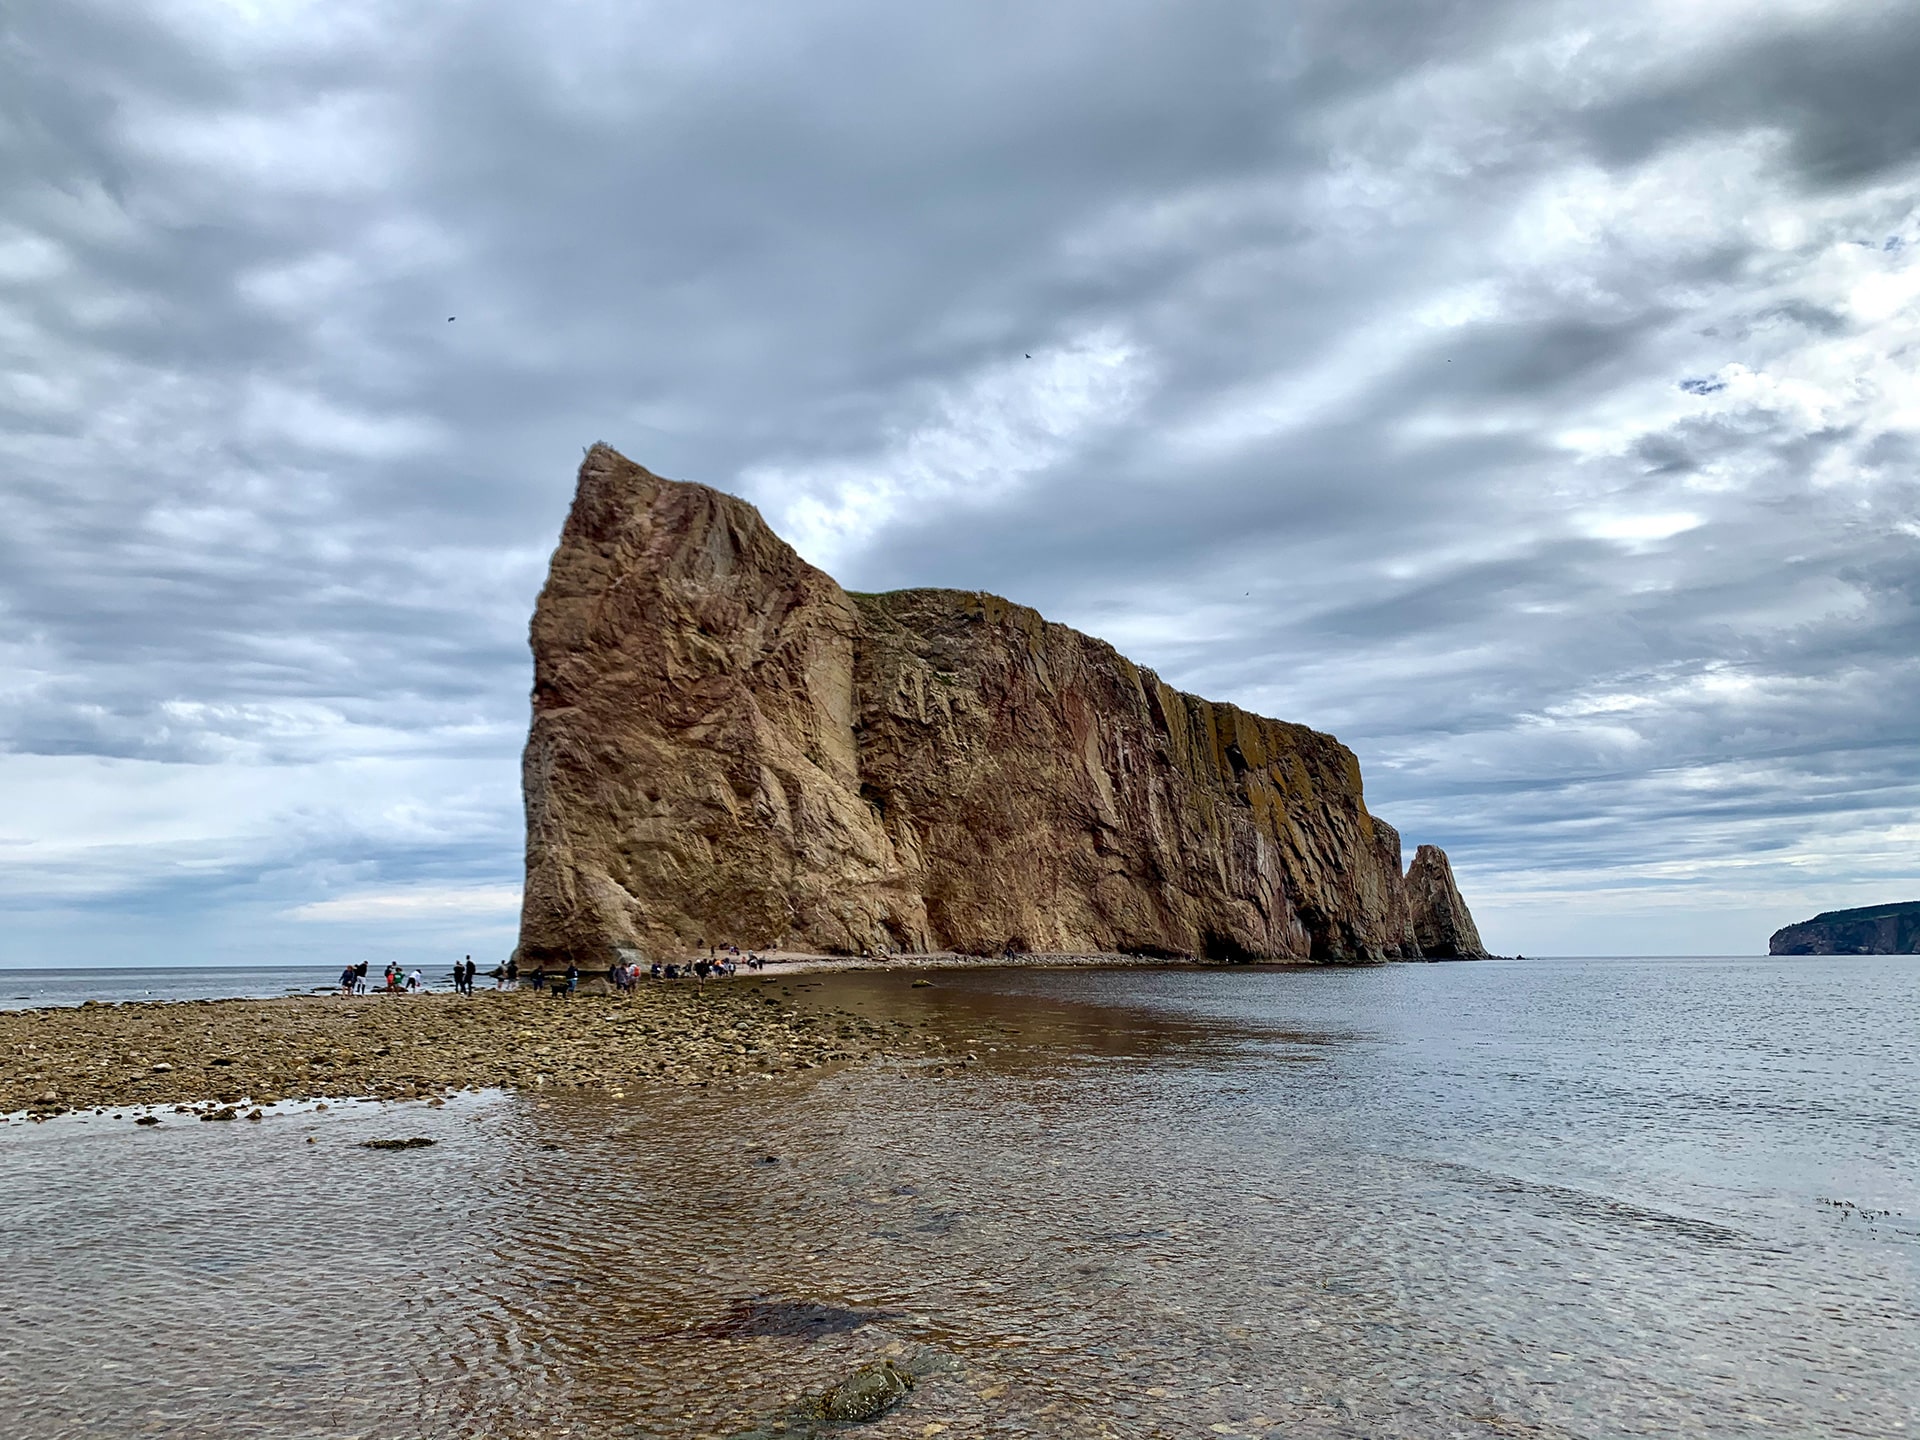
x: 1592, y: 1199
x: 222, y: 1054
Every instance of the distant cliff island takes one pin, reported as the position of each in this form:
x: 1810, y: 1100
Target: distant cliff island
x: 1870, y: 930
x: 727, y: 746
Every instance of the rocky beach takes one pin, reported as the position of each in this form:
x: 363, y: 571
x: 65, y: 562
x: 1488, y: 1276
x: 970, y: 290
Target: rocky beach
x: 229, y: 1057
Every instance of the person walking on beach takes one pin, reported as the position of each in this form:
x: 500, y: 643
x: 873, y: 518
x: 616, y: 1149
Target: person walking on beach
x: 573, y: 979
x: 360, y: 978
x: 346, y: 981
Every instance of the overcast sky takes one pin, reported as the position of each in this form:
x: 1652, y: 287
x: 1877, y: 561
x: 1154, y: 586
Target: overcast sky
x: 1524, y: 392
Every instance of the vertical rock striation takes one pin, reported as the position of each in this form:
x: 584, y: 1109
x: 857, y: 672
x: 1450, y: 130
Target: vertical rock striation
x: 727, y: 745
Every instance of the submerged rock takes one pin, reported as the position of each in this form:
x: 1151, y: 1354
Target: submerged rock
x: 867, y: 1394
x: 415, y: 1142
x: 726, y: 743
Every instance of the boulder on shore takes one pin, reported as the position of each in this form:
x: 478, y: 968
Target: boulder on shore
x: 1870, y: 930
x: 726, y: 745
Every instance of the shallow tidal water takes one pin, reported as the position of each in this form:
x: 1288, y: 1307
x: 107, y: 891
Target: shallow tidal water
x: 1544, y: 1198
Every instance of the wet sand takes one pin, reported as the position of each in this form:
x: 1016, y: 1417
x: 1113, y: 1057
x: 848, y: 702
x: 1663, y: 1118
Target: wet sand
x: 230, y: 1054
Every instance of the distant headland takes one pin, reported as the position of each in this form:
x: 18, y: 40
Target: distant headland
x: 1870, y: 930
x: 728, y: 746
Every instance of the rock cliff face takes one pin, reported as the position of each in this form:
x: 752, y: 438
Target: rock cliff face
x: 728, y: 746
x: 1871, y: 930
x: 1442, y: 925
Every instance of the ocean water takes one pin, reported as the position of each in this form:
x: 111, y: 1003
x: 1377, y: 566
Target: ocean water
x: 25, y: 989
x: 1596, y: 1198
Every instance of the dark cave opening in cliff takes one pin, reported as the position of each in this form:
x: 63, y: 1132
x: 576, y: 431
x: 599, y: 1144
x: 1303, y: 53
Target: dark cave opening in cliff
x: 1216, y: 946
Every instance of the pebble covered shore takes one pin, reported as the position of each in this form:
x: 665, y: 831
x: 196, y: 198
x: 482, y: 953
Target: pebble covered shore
x: 229, y: 1054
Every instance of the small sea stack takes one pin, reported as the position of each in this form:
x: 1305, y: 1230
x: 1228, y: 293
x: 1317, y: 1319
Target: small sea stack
x: 1442, y: 925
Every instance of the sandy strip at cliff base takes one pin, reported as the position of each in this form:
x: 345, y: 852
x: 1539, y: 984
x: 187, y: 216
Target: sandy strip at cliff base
x: 793, y: 961
x: 247, y: 1053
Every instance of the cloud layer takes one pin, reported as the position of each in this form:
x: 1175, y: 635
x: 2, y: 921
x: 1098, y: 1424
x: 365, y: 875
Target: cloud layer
x: 1525, y: 393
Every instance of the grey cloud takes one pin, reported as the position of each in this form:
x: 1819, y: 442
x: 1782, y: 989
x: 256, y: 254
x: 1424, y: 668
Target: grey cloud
x: 261, y: 505
x: 1836, y: 81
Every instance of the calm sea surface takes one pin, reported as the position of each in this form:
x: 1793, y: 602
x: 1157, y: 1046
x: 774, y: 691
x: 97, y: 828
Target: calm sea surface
x: 31, y: 989
x: 1594, y: 1198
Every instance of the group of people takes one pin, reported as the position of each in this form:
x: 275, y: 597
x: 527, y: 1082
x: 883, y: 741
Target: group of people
x: 718, y: 962
x: 393, y: 980
x: 719, y: 967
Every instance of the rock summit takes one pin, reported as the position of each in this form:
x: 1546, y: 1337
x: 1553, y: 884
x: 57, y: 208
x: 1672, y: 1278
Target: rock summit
x: 727, y: 746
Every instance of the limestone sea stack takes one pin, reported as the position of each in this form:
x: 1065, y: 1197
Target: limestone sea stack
x: 1443, y: 927
x: 727, y: 746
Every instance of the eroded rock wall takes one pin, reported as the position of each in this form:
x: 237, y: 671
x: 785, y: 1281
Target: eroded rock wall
x: 1442, y: 925
x: 1869, y: 930
x: 727, y: 746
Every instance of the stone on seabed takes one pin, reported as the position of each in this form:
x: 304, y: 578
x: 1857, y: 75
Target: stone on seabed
x: 728, y: 746
x: 868, y: 1393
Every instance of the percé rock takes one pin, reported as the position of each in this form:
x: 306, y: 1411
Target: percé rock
x: 1870, y: 930
x: 1443, y: 927
x: 727, y: 746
